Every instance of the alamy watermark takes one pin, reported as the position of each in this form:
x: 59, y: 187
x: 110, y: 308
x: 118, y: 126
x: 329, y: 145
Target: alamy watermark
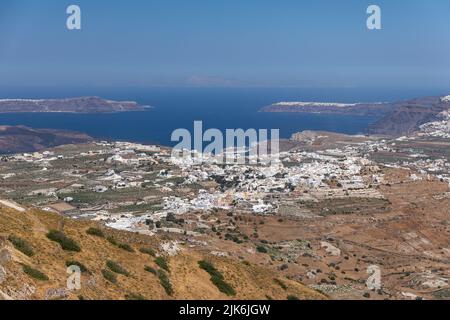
x: 74, y: 278
x: 374, y: 280
x: 374, y: 20
x: 236, y: 146
x: 73, y: 22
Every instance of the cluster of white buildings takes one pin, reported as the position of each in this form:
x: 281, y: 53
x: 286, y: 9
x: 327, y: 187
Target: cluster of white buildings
x: 314, y: 104
x: 437, y: 129
x: 249, y: 187
x: 259, y: 189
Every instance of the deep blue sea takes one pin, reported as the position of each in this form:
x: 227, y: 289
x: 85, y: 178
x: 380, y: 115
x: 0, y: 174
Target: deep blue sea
x: 222, y: 108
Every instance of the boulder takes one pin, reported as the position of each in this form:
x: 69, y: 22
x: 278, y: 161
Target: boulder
x: 2, y: 274
x: 5, y: 256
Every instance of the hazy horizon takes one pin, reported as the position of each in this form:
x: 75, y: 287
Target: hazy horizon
x: 224, y: 44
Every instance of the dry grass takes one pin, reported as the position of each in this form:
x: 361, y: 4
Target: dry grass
x: 186, y: 280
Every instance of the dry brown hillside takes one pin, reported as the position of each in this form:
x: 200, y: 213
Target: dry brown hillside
x: 41, y: 273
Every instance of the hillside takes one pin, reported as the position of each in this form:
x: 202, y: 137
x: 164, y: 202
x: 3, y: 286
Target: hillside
x: 15, y: 139
x: 392, y: 119
x: 405, y: 119
x: 186, y: 278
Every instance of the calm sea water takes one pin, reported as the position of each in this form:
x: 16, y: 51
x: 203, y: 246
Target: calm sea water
x: 216, y: 107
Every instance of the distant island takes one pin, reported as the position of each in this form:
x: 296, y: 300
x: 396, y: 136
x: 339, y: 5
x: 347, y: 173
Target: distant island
x: 71, y: 105
x: 393, y: 118
x: 363, y: 109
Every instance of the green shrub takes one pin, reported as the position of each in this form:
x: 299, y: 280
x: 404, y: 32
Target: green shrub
x: 208, y: 267
x: 34, y: 273
x: 134, y: 296
x: 122, y: 246
x: 112, y: 241
x: 117, y: 268
x: 78, y: 264
x: 261, y: 249
x: 292, y: 297
x: 223, y: 286
x: 126, y: 247
x: 148, y: 251
x: 162, y: 263
x: 95, y: 232
x: 217, y: 278
x: 65, y: 242
x: 165, y: 282
x: 150, y: 269
x: 280, y: 283
x: 108, y: 275
x: 21, y: 245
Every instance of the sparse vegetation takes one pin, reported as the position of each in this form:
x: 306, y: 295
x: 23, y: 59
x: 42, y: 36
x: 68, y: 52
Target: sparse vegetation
x: 108, y: 275
x: 112, y: 241
x: 82, y: 267
x: 21, y: 245
x: 223, y: 286
x: 162, y: 263
x: 217, y: 278
x: 126, y: 247
x: 150, y: 269
x: 280, y: 283
x: 292, y: 297
x: 123, y: 246
x: 117, y: 268
x: 165, y: 282
x: 34, y: 273
x: 442, y: 294
x: 95, y: 232
x: 134, y: 296
x: 232, y: 237
x: 148, y: 251
x: 261, y: 249
x: 64, y: 241
x: 283, y: 267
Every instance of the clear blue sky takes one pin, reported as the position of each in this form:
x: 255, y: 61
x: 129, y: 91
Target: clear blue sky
x: 224, y: 43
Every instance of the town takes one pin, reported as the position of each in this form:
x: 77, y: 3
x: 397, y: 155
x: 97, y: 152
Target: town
x: 330, y: 208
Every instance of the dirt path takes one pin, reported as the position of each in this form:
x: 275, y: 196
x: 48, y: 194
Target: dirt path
x: 12, y: 205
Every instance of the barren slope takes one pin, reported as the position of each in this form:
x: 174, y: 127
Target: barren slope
x: 187, y: 279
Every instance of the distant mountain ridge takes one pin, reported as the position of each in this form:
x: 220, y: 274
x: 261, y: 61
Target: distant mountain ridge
x: 70, y: 105
x: 393, y: 118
